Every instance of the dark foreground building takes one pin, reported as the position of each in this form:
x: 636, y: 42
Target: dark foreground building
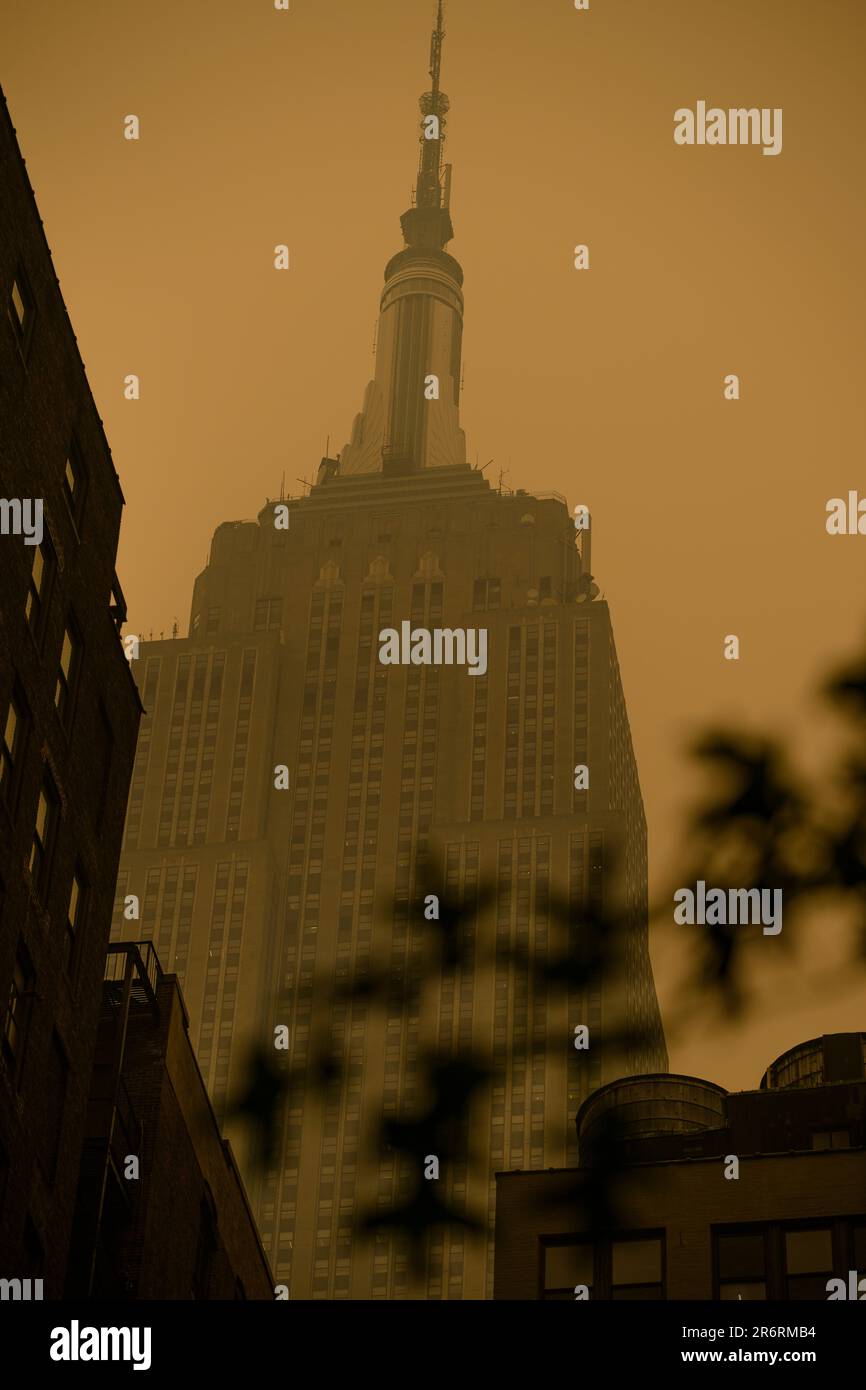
x: 289, y: 784
x: 69, y: 713
x: 794, y: 1218
x: 162, y: 1212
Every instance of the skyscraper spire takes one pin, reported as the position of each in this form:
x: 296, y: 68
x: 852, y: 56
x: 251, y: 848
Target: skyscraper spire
x: 410, y: 419
x: 428, y: 223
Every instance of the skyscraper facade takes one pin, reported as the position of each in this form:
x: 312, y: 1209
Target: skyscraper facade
x: 290, y: 785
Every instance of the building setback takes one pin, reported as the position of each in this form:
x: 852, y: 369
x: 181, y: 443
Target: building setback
x: 174, y: 1224
x: 69, y: 714
x: 794, y: 1217
x: 251, y: 891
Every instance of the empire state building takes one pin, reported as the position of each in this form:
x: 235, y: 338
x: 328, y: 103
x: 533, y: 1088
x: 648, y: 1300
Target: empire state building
x: 270, y: 895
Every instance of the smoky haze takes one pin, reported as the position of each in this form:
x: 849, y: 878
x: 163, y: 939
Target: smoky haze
x: 259, y: 128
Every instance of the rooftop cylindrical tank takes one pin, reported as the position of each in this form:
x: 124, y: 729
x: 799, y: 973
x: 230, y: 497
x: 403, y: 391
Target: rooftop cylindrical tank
x: 818, y: 1062
x: 637, y: 1107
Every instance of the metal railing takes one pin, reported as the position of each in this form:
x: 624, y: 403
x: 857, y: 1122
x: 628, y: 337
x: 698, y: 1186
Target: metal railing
x: 144, y: 962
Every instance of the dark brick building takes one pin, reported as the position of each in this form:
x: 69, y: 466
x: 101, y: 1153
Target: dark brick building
x: 793, y: 1218
x: 69, y: 714
x: 162, y: 1212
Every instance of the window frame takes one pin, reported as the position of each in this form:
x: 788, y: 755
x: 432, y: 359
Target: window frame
x: 776, y: 1274
x: 748, y: 1228
x: 636, y: 1238
x: 13, y: 758
x: 22, y: 326
x: 13, y: 1053
x: 46, y: 843
x: 39, y: 599
x: 266, y: 606
x: 601, y: 1246
x: 68, y: 682
x: 786, y: 1228
x: 74, y: 928
x: 75, y: 499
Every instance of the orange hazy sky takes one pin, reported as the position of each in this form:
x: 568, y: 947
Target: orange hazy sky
x: 260, y: 127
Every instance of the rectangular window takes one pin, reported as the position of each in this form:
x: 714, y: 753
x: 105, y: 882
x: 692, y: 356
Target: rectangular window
x: 19, y: 311
x: 742, y: 1264
x: 67, y: 676
x: 43, y: 832
x: 213, y: 620
x: 22, y: 309
x: 808, y: 1262
x: 636, y: 1268
x: 12, y: 746
x: 564, y: 1267
x: 831, y: 1139
x: 486, y: 593
x: 70, y: 481
x: 268, y: 614
x: 18, y: 1009
x: 75, y: 917
x: 631, y: 1267
x: 37, y: 589
x: 73, y: 481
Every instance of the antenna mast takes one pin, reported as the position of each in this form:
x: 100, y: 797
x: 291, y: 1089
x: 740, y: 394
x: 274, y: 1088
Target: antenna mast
x: 428, y: 222
x: 430, y: 192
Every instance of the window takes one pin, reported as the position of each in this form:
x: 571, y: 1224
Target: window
x: 18, y: 305
x: 43, y: 831
x: 14, y: 727
x: 636, y: 1268
x: 67, y: 676
x: 213, y: 619
x: 622, y: 1267
x: 74, y: 916
x: 741, y: 1258
x: 808, y: 1262
x: 268, y: 615
x: 565, y: 1266
x: 22, y: 310
x: 18, y: 1009
x: 831, y: 1139
x: 37, y: 590
x: 73, y: 481
x: 486, y: 593
x: 70, y: 481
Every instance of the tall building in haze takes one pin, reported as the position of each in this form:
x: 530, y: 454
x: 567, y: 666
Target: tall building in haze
x: 251, y: 892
